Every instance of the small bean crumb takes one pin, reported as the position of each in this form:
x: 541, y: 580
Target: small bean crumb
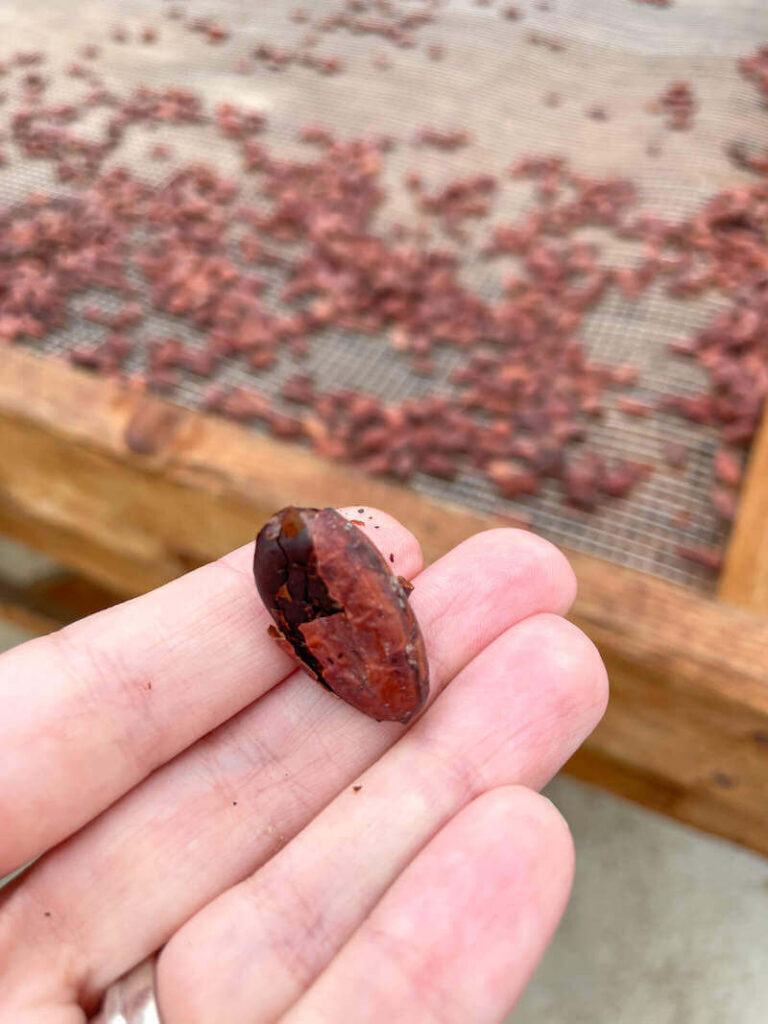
x: 356, y: 789
x: 391, y: 557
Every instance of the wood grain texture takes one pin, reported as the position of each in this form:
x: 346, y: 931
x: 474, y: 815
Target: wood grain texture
x: 686, y: 730
x: 132, y: 491
x: 21, y: 617
x: 744, y: 579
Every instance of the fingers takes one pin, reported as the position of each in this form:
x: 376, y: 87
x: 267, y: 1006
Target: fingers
x: 458, y: 935
x: 221, y: 809
x: 93, y: 709
x: 513, y: 715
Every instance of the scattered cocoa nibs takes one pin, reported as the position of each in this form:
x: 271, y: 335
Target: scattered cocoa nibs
x: 148, y: 35
x: 740, y: 156
x: 547, y: 42
x: 360, y: 511
x: 213, y: 32
x: 213, y: 398
x: 502, y: 418
x: 597, y: 113
x: 676, y: 454
x: 299, y: 388
x: 634, y: 407
x: 724, y: 502
x: 755, y: 67
x: 583, y: 481
x: 511, y: 478
x: 392, y: 557
x: 727, y: 467
x: 201, y: 362
x: 356, y: 789
x: 459, y: 200
x: 678, y: 105
x: 160, y: 151
x: 702, y: 554
x: 27, y: 58
x: 448, y: 140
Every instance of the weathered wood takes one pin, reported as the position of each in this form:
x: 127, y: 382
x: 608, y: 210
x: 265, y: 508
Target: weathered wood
x: 686, y: 730
x: 15, y: 611
x: 31, y: 622
x: 49, y: 603
x: 132, y: 491
x: 744, y: 579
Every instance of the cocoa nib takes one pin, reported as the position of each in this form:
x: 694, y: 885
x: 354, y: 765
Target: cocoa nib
x: 341, y: 612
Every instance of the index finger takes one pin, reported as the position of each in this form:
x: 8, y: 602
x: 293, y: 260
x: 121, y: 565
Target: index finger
x: 90, y: 711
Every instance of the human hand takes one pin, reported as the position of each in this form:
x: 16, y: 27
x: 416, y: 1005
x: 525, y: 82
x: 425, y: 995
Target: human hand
x: 298, y: 861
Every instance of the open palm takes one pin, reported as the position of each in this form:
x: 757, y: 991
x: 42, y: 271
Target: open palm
x: 297, y: 861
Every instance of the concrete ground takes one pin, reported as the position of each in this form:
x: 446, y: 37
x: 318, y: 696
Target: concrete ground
x: 665, y: 925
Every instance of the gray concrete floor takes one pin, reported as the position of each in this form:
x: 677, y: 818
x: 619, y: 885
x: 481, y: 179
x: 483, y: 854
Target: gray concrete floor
x: 665, y: 925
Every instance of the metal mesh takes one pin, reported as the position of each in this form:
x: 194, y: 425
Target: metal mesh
x: 491, y: 80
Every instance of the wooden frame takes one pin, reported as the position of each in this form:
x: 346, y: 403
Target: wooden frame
x: 130, y: 491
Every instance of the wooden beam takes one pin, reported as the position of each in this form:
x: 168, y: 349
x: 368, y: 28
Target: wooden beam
x: 16, y: 611
x: 686, y: 730
x: 745, y: 575
x: 31, y: 622
x: 132, y: 491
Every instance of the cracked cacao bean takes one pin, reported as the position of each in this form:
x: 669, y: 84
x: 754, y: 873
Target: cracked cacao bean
x: 340, y: 610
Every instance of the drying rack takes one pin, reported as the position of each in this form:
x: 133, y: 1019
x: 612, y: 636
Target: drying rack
x: 128, y: 491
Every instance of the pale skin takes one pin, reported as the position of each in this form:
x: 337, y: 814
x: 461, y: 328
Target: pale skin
x: 196, y: 793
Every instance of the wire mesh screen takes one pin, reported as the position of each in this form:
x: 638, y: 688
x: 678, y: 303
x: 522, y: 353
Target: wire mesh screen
x: 493, y: 114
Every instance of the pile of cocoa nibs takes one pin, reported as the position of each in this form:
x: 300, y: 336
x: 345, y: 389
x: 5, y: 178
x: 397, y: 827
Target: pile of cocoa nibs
x: 201, y: 247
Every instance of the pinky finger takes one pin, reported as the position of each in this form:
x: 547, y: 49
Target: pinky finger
x: 458, y: 935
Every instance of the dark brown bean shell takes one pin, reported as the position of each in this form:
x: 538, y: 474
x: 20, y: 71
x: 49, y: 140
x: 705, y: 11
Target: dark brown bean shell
x: 340, y: 610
